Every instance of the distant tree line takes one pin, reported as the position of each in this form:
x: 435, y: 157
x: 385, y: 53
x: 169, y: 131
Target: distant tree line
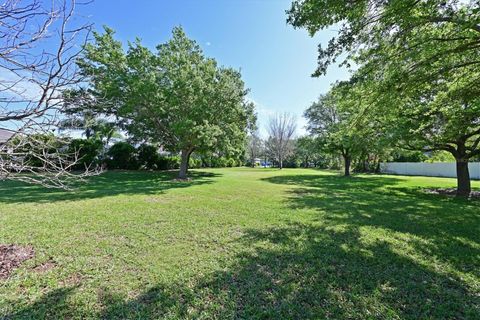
x: 127, y: 156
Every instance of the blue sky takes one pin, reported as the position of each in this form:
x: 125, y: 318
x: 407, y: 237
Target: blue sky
x: 252, y: 35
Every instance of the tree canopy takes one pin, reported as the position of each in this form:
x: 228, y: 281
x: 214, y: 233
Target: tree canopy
x: 175, y: 96
x: 419, y: 65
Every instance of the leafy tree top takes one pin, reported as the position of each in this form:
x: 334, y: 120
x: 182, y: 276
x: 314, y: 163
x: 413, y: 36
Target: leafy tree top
x: 175, y: 96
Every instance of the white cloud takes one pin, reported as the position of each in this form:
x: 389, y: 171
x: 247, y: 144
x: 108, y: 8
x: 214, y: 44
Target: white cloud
x: 17, y: 87
x: 208, y: 43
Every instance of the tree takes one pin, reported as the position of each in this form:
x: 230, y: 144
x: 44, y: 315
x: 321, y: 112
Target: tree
x: 442, y: 30
x: 175, y: 97
x: 254, y: 147
x: 435, y: 123
x: 307, y: 149
x: 326, y: 122
x: 39, y: 45
x: 281, y: 128
x: 421, y: 57
x: 335, y: 119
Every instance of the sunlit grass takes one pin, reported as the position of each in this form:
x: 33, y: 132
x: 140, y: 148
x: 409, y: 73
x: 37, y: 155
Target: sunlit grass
x: 243, y: 243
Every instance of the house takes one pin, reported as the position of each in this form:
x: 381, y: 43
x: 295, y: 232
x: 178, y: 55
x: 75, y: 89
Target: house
x: 5, y: 135
x: 257, y: 162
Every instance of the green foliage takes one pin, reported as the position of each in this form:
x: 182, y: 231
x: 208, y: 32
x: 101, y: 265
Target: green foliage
x: 148, y: 156
x: 88, y: 152
x: 168, y: 162
x: 194, y: 163
x: 292, y: 162
x: 254, y: 147
x: 408, y: 156
x: 39, y: 148
x: 176, y: 96
x: 339, y: 126
x: 440, y: 156
x: 122, y: 155
x: 418, y: 64
x: 308, y: 149
x: 230, y: 163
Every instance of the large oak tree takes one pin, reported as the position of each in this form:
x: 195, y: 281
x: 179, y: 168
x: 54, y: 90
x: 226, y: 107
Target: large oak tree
x: 175, y: 96
x: 423, y: 62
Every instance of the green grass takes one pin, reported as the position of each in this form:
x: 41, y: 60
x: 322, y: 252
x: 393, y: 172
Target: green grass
x: 243, y: 243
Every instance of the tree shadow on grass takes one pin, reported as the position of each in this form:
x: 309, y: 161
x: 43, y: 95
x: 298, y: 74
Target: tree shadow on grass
x: 329, y: 267
x: 110, y: 183
x: 52, y: 305
x: 297, y: 271
x: 302, y: 271
x: 444, y: 228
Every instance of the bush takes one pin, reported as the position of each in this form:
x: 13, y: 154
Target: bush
x: 220, y: 162
x: 441, y: 156
x: 148, y: 157
x: 194, y: 163
x: 292, y: 162
x: 408, y: 156
x: 230, y: 162
x: 122, y: 155
x: 174, y: 162
x: 37, y: 148
x: 168, y: 163
x: 162, y: 163
x: 89, y: 151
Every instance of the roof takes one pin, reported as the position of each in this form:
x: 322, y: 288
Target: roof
x: 5, y: 134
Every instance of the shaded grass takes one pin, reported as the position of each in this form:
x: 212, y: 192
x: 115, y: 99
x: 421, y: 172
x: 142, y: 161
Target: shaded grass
x: 244, y: 243
x: 104, y: 185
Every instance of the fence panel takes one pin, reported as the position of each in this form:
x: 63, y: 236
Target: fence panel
x: 436, y: 169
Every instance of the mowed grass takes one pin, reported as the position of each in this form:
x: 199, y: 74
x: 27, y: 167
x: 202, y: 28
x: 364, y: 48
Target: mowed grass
x: 243, y: 243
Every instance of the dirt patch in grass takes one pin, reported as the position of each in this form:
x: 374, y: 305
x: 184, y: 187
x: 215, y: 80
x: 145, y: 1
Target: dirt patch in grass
x: 44, y: 267
x: 73, y: 280
x: 451, y: 192
x: 12, y: 256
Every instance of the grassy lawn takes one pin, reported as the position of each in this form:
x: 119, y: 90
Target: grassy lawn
x: 242, y: 243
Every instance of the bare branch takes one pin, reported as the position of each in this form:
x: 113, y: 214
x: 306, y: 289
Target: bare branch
x: 38, y: 49
x: 281, y: 128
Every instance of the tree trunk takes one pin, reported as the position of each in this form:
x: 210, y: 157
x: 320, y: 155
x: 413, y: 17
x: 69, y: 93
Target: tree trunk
x: 185, y: 157
x: 377, y: 166
x: 280, y: 162
x: 463, y: 178
x: 347, y: 159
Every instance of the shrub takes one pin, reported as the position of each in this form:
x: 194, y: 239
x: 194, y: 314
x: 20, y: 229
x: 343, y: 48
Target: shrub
x: 148, y: 156
x: 162, y: 163
x: 37, y: 147
x: 408, y: 156
x: 89, y: 151
x: 122, y: 155
x: 195, y: 163
x: 174, y: 162
x: 230, y: 162
x: 220, y: 162
x: 292, y: 162
x: 168, y: 162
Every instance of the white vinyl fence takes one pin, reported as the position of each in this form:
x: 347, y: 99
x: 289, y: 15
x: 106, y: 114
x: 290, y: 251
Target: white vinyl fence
x: 436, y: 169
